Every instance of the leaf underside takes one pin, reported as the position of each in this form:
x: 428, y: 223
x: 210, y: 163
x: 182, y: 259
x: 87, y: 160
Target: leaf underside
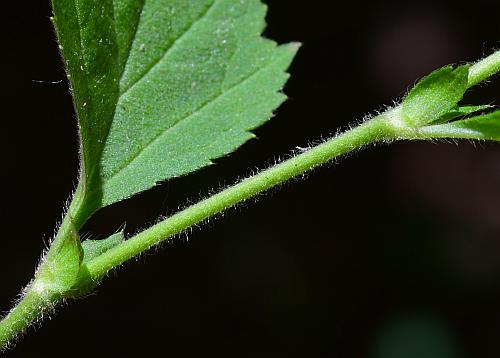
x: 162, y: 87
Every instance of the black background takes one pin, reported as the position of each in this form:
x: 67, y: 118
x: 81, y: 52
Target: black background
x: 394, y: 246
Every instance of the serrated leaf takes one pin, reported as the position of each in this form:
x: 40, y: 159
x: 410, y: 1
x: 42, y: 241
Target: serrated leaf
x: 95, y: 248
x: 461, y: 111
x: 190, y: 93
x: 485, y: 127
x: 187, y: 82
x: 435, y: 95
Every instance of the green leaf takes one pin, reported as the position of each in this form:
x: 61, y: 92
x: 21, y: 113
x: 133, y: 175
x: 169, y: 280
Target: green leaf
x: 485, y: 127
x: 95, y: 248
x: 461, y: 111
x: 435, y: 95
x: 197, y: 79
x: 86, y: 33
x: 127, y: 14
x: 166, y: 87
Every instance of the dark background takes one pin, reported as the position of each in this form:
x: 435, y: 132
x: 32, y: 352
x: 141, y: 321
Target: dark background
x: 393, y: 253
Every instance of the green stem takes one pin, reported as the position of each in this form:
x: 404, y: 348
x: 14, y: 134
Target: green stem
x: 367, y: 133
x: 29, y: 309
x: 484, y: 69
x: 43, y: 293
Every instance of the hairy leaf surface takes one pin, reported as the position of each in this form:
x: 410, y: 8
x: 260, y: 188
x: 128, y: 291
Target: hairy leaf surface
x: 435, y: 95
x: 164, y: 87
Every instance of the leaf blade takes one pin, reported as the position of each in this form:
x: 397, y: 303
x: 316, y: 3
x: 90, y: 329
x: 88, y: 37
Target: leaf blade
x: 165, y: 65
x: 207, y: 146
x: 201, y: 67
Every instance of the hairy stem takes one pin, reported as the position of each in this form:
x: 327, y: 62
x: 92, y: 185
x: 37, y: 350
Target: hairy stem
x: 367, y: 133
x: 44, y: 291
x: 484, y: 69
x: 40, y: 295
x: 29, y: 309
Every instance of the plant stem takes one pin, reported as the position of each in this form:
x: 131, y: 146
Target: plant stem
x: 42, y: 293
x: 369, y: 132
x: 484, y: 69
x: 31, y: 307
x: 40, y: 296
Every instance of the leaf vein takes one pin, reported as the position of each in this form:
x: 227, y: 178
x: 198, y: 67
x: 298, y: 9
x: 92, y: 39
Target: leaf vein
x: 196, y: 111
x: 168, y: 50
